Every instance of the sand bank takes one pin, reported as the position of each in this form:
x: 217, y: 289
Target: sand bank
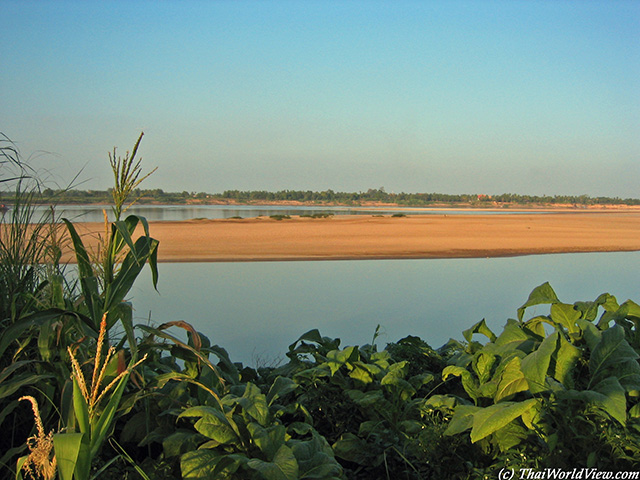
x: 369, y: 237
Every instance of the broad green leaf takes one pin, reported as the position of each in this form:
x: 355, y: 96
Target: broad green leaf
x: 535, y: 326
x: 628, y: 374
x: 483, y: 365
x: 269, y: 440
x: 462, y: 419
x: 468, y: 382
x: 283, y: 467
x: 372, y: 398
x: 542, y: 294
x: 491, y: 419
x: 613, y: 348
x: 509, y: 436
x: 565, y: 315
x: 254, y: 404
x: 536, y: 364
x: 444, y: 402
x: 590, y: 333
x: 200, y: 465
x: 566, y: 358
x: 213, y: 424
x: 403, y: 388
x: 363, y: 372
x: 608, y: 395
x: 480, y: 327
x: 67, y: 447
x: 280, y: 387
x: 315, y: 458
x: 338, y: 358
x: 512, y: 338
x: 179, y: 442
x: 512, y: 381
x: 353, y: 449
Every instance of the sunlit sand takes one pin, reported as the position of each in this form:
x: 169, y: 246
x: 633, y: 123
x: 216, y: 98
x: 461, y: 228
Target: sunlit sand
x: 369, y: 237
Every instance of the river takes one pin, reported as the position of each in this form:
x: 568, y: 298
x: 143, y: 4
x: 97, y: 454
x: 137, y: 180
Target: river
x: 256, y: 309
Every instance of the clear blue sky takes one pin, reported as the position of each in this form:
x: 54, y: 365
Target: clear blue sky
x: 530, y: 97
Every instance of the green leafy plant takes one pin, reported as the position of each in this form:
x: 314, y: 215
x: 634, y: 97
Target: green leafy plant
x: 524, y: 381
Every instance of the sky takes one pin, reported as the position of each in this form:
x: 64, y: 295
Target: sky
x: 528, y: 97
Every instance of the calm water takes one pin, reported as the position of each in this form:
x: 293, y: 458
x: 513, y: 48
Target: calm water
x: 255, y: 310
x: 93, y: 213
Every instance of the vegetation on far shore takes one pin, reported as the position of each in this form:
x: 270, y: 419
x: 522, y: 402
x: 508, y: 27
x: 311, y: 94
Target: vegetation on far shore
x: 87, y: 394
x: 327, y: 197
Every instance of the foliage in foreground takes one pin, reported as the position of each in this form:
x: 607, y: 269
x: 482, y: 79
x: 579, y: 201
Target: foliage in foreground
x: 117, y: 400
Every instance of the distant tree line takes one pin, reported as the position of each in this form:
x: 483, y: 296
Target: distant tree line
x: 418, y: 199
x: 324, y: 197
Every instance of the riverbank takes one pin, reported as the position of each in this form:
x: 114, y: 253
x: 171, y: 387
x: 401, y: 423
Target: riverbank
x: 373, y: 237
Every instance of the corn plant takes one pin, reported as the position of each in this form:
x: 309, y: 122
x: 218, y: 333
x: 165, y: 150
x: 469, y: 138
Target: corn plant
x: 121, y: 259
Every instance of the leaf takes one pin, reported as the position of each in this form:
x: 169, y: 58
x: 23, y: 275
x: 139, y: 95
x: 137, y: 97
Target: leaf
x: 512, y: 381
x: 510, y: 436
x: 283, y: 467
x: 82, y: 257
x: 254, y: 404
x: 67, y: 447
x: 315, y: 458
x: 566, y: 358
x: 213, y: 424
x: 462, y: 419
x: 483, y: 364
x: 338, y: 358
x: 608, y: 396
x: 403, y: 388
x: 102, y: 425
x: 490, y: 419
x: 513, y: 338
x: 613, y: 348
x: 281, y: 386
x: 542, y: 294
x: 363, y: 372
x: 468, y: 382
x: 353, y: 449
x: 17, y: 382
x: 269, y: 440
x: 480, y: 327
x: 565, y: 315
x: 129, y: 271
x: 200, y: 465
x: 179, y: 442
x: 536, y: 364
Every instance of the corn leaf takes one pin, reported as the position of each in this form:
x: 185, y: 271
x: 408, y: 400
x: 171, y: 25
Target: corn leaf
x: 67, y: 447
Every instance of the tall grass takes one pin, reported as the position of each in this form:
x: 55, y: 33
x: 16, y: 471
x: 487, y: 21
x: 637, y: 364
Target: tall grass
x: 29, y: 238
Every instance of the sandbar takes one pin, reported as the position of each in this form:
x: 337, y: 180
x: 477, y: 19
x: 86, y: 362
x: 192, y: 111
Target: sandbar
x: 349, y: 237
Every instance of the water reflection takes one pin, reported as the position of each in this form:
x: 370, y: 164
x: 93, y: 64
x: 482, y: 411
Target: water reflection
x: 257, y: 309
x: 94, y: 213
